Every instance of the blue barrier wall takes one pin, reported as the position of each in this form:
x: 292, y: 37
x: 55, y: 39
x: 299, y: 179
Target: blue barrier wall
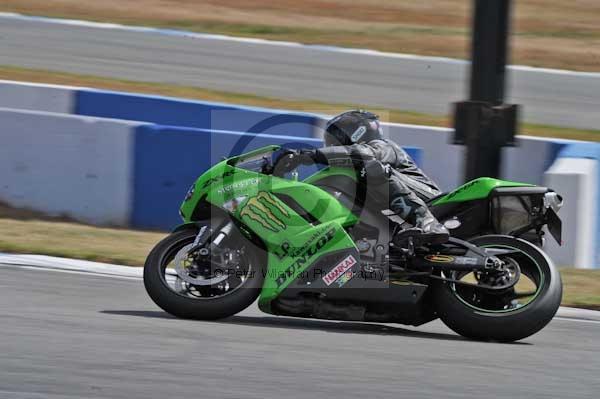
x: 195, y: 114
x: 167, y: 160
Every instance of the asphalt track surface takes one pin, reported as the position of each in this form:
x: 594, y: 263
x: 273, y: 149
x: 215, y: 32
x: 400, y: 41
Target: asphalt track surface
x: 300, y: 72
x: 66, y: 335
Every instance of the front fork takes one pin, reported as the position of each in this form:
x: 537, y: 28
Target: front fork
x: 205, y: 233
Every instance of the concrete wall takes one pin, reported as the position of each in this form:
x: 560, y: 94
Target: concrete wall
x: 530, y: 159
x: 111, y: 171
x: 63, y: 164
x: 574, y: 179
x: 444, y: 162
x: 107, y: 171
x: 155, y: 109
x: 576, y: 176
x: 37, y: 97
x: 441, y: 160
x: 167, y: 160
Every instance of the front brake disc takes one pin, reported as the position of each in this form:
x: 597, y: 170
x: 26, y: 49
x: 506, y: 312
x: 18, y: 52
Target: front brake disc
x: 183, y: 261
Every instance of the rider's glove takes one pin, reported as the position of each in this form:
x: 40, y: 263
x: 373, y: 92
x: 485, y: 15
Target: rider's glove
x: 291, y: 159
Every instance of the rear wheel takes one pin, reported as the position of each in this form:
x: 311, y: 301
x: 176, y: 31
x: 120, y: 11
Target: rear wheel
x: 522, y: 309
x: 207, y: 284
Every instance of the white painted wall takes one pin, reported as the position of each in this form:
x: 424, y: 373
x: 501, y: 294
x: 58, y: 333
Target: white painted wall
x: 576, y: 180
x: 64, y: 164
x: 444, y: 162
x: 527, y: 162
x: 38, y: 97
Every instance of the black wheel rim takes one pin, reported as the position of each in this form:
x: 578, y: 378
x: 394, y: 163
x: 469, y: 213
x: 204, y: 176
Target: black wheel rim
x: 522, y: 294
x: 228, y: 277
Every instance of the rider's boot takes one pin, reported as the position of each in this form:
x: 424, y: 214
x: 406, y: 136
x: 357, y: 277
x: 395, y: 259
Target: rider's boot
x: 426, y: 231
x: 426, y: 228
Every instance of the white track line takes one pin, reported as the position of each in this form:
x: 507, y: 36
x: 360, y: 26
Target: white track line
x: 73, y: 265
x: 250, y: 40
x: 102, y: 275
x: 559, y: 318
x: 51, y: 263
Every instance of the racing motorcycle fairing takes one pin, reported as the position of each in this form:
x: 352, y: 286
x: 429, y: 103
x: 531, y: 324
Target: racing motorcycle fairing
x: 328, y: 250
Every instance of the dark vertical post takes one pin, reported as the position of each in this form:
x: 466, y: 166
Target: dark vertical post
x: 484, y: 123
x: 489, y: 49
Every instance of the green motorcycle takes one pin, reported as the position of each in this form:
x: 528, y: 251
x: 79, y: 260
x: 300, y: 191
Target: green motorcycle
x: 320, y: 248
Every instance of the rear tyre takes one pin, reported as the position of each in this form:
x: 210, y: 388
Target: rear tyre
x: 204, y: 302
x: 479, y: 315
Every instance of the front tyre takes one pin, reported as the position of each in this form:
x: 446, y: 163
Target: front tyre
x: 210, y: 288
x: 506, y: 316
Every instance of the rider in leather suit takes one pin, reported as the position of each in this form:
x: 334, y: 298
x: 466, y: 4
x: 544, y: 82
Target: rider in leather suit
x: 355, y: 137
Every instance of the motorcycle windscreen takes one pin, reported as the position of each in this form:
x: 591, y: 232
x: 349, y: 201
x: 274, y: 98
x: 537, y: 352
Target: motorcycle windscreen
x: 554, y: 225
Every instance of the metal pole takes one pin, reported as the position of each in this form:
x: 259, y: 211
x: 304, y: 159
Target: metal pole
x: 489, y: 49
x: 484, y: 123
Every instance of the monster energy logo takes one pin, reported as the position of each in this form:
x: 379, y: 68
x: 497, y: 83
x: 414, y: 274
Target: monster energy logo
x: 263, y: 209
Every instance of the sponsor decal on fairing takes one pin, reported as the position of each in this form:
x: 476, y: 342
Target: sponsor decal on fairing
x: 339, y: 270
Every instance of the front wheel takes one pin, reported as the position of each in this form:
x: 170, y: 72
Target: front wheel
x: 215, y: 282
x: 504, y: 315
